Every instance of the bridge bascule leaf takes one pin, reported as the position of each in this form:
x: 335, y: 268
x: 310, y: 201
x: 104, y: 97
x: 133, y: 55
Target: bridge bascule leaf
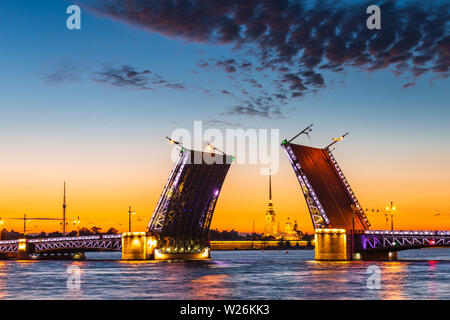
x: 341, y: 226
x: 183, y: 214
x: 329, y: 197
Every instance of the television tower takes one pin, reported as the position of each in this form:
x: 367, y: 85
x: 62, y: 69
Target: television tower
x: 64, y: 210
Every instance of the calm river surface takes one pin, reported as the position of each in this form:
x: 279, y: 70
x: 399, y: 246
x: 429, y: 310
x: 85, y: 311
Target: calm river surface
x: 419, y: 274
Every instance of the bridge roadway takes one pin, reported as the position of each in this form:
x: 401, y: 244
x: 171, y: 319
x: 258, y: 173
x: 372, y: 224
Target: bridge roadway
x: 339, y: 244
x: 64, y: 246
x: 366, y: 244
x: 396, y: 240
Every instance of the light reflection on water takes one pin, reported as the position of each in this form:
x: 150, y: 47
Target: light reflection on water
x: 231, y: 275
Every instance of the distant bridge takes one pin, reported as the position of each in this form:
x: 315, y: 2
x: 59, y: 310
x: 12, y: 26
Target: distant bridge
x: 60, y: 246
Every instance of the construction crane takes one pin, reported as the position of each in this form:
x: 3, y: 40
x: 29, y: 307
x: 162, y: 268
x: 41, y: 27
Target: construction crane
x: 64, y: 210
x: 28, y: 219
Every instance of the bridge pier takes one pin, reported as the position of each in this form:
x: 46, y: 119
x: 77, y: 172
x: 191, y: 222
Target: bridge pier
x: 138, y: 246
x: 141, y: 246
x: 23, y: 250
x: 332, y: 245
x: 336, y: 245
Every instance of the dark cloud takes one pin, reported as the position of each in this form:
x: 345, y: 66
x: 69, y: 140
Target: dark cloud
x: 261, y: 106
x: 409, y: 84
x: 228, y: 65
x: 127, y: 77
x: 62, y: 75
x: 300, y: 39
x: 248, y: 111
x: 217, y: 123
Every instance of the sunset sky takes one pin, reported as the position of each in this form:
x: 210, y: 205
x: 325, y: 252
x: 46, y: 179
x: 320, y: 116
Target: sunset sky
x: 92, y: 107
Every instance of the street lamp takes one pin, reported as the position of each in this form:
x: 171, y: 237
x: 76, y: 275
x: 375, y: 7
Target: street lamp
x: 129, y: 218
x: 390, y: 211
x: 77, y: 223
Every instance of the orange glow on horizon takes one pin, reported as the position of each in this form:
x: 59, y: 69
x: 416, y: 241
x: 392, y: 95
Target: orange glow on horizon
x: 99, y: 191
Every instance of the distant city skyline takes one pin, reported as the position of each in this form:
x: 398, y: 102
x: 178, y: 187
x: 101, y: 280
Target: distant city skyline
x: 92, y: 107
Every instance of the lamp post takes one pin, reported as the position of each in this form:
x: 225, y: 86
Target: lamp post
x: 77, y: 223
x: 129, y: 218
x: 353, y: 229
x: 390, y: 211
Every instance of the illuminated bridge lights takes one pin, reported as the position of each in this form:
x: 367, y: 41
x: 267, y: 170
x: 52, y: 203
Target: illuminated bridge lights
x: 383, y: 240
x: 84, y: 243
x: 407, y: 232
x: 22, y: 244
x: 133, y: 234
x: 335, y: 231
x: 304, y: 180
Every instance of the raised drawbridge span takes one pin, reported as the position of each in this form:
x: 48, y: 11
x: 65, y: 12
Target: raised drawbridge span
x: 342, y: 228
x: 182, y: 217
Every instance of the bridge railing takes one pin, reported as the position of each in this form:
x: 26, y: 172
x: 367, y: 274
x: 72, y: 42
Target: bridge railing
x: 396, y: 240
x: 59, y: 239
x: 404, y: 232
x: 81, y: 238
x: 8, y: 242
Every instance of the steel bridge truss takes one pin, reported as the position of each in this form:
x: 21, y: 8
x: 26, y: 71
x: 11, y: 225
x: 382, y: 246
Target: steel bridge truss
x: 318, y: 216
x: 161, y: 215
x: 88, y: 243
x: 9, y: 246
x: 386, y: 240
x: 183, y: 214
x: 66, y: 244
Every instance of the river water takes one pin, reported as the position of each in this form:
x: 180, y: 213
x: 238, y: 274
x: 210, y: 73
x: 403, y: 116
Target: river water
x: 419, y: 274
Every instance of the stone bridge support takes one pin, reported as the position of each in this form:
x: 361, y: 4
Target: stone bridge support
x: 138, y: 246
x: 332, y: 245
x: 338, y: 245
x: 23, y: 250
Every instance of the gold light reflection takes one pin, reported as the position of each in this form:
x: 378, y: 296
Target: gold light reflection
x: 3, y: 276
x: 393, y: 279
x: 338, y: 278
x: 330, y: 276
x: 210, y: 287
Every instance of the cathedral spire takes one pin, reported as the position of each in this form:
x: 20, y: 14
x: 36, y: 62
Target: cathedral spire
x: 270, y: 229
x: 270, y: 185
